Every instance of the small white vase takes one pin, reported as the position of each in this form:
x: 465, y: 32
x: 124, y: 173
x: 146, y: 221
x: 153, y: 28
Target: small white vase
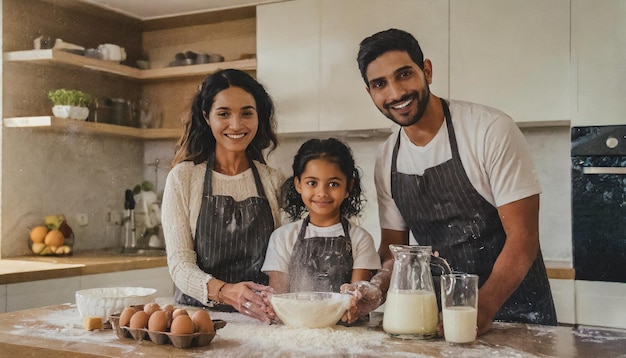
x: 61, y: 111
x: 79, y: 113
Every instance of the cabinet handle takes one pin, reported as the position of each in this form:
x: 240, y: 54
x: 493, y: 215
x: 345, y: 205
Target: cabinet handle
x: 604, y: 170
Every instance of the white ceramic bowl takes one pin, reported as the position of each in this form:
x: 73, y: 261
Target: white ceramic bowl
x: 310, y: 309
x: 106, y: 301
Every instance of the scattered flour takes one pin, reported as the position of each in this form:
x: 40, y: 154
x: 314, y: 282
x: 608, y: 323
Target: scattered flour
x: 65, y: 325
x: 337, y: 340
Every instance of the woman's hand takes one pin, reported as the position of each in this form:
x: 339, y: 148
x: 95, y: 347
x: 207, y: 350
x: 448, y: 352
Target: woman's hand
x: 269, y: 310
x: 245, y: 297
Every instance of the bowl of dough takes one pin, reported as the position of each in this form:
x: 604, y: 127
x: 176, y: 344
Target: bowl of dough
x: 106, y: 301
x: 310, y: 309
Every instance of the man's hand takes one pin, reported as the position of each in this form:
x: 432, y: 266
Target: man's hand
x: 367, y: 297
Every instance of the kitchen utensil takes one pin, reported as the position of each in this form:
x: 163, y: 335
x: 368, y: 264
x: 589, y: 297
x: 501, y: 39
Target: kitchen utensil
x: 411, y: 308
x: 59, y: 44
x: 130, y: 236
x: 106, y: 301
x: 202, y: 58
x: 310, y: 309
x: 215, y: 57
x: 459, y: 300
x: 143, y: 64
x: 112, y: 52
x: 43, y: 42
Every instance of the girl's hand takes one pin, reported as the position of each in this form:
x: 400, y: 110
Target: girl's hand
x: 245, y: 297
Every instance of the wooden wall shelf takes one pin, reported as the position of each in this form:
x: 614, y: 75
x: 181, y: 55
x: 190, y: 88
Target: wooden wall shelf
x: 70, y: 125
x: 58, y: 57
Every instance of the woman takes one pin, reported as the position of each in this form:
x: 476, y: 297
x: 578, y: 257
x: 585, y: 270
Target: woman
x: 220, y: 201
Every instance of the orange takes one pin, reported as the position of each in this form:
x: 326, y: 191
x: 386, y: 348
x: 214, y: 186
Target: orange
x: 38, y: 233
x: 54, y: 238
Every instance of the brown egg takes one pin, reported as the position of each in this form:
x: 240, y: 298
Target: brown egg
x: 158, y: 321
x: 125, y: 316
x: 182, y: 324
x: 168, y: 308
x: 139, y: 320
x: 203, y: 322
x: 151, y: 307
x: 179, y: 311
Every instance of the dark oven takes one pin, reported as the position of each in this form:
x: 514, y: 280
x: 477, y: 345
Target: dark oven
x: 599, y: 203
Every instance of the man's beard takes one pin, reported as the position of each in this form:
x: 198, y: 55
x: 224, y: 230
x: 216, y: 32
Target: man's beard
x: 422, y: 103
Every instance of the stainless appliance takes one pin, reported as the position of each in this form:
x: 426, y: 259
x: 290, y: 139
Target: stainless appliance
x: 599, y: 203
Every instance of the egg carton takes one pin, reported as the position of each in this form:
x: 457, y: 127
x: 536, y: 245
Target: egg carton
x: 198, y: 339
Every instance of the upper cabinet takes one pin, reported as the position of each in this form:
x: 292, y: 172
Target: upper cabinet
x: 510, y: 54
x: 307, y: 57
x: 513, y: 55
x: 599, y: 62
x: 288, y: 43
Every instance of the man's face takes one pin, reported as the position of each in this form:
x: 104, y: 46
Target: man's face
x: 398, y: 87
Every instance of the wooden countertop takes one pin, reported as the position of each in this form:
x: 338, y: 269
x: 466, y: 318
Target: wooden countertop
x: 560, y: 270
x: 57, y: 331
x: 33, y: 268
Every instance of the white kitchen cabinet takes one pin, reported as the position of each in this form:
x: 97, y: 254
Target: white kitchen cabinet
x: 307, y: 57
x: 344, y: 102
x: 33, y: 294
x: 600, y: 304
x: 3, y: 298
x: 513, y: 55
x: 563, y: 294
x: 288, y: 51
x: 599, y: 62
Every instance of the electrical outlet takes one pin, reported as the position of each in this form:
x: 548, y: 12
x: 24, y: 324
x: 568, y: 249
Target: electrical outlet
x: 82, y: 219
x: 114, y: 218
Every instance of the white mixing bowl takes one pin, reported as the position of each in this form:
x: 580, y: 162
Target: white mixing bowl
x: 106, y: 301
x: 310, y: 309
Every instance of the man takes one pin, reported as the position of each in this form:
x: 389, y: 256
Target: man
x: 459, y: 176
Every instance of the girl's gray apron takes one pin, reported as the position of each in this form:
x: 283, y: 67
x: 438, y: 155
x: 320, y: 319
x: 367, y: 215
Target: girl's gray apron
x: 320, y: 264
x: 231, y: 236
x: 443, y: 210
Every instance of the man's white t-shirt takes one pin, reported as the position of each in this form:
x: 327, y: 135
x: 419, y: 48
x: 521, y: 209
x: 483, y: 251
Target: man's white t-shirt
x: 493, y: 151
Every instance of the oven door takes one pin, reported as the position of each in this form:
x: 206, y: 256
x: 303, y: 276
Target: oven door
x: 599, y: 217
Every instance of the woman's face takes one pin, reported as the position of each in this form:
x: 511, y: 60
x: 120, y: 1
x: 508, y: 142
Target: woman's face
x: 233, y: 119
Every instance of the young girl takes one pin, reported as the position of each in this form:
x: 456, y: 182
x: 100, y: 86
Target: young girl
x: 322, y: 251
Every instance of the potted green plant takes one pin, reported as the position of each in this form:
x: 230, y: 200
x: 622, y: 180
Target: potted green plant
x: 70, y: 103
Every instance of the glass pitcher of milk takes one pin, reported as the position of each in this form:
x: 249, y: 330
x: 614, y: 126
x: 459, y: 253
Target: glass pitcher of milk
x: 411, y: 308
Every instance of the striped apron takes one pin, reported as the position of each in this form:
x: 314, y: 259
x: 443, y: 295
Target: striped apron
x: 231, y: 236
x: 444, y: 210
x: 321, y: 264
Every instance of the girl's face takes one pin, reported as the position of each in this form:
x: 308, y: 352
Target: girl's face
x: 323, y: 187
x: 233, y: 119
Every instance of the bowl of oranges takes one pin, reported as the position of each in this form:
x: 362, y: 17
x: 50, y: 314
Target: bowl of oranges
x: 53, y: 237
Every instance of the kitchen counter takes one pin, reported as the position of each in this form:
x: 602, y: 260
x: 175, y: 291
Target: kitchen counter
x: 32, y: 268
x: 57, y: 331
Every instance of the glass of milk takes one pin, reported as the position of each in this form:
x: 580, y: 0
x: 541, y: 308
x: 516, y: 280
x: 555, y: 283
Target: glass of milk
x: 459, y: 303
